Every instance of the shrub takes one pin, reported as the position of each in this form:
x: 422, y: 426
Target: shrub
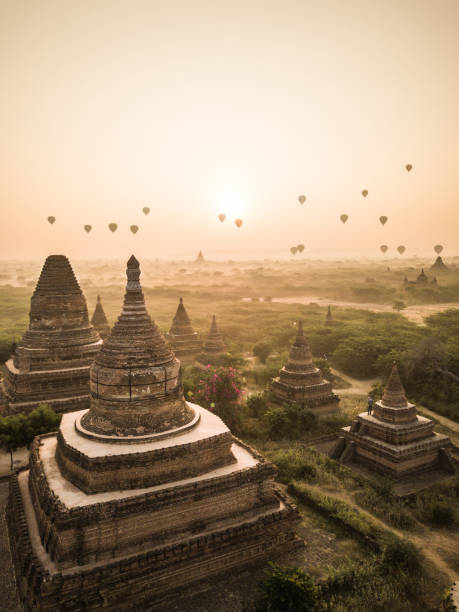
x: 441, y: 514
x: 257, y: 404
x: 401, y: 555
x: 287, y: 589
x: 290, y: 420
x: 292, y: 464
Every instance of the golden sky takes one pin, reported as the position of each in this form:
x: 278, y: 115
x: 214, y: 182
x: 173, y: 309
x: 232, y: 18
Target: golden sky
x: 195, y: 108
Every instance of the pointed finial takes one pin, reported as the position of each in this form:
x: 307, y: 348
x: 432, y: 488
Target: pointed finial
x: 132, y: 262
x: 98, y: 298
x: 133, y: 274
x: 181, y: 300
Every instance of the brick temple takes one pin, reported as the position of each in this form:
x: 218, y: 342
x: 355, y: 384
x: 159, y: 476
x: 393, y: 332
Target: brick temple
x: 394, y: 439
x: 142, y: 495
x: 51, y: 363
x: 213, y: 345
x: 99, y: 320
x: 329, y: 317
x: 300, y: 381
x: 184, y: 341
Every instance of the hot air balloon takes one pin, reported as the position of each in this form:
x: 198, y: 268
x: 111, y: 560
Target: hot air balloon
x: 293, y: 250
x: 383, y: 248
x: 401, y: 249
x: 134, y: 229
x: 51, y: 219
x: 222, y: 217
x: 302, y: 199
x: 438, y: 248
x: 238, y: 222
x: 365, y: 193
x: 145, y: 210
x: 383, y: 220
x: 344, y: 218
x: 408, y: 167
x: 112, y: 227
x: 300, y: 248
x: 87, y: 228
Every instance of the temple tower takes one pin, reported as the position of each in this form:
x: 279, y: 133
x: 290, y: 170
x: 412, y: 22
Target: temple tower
x: 185, y: 342
x: 51, y: 363
x: 439, y: 266
x: 329, y: 317
x: 142, y: 494
x: 99, y: 320
x: 214, y: 342
x: 394, y: 440
x: 301, y: 382
x: 200, y: 258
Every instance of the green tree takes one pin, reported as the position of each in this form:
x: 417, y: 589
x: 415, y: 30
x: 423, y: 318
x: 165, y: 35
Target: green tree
x: 13, y: 433
x: 262, y: 350
x: 41, y: 420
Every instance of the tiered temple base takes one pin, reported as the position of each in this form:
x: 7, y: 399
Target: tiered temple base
x: 363, y: 443
x: 121, y: 549
x: 394, y: 440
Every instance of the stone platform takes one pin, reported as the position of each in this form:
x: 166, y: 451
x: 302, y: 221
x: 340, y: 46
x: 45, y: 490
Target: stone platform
x: 122, y: 549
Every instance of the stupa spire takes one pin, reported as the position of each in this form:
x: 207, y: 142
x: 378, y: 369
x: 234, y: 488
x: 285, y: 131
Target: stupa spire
x: 214, y: 342
x: 329, y: 317
x: 185, y: 342
x: 99, y: 320
x: 300, y: 351
x: 394, y: 393
x: 181, y: 316
x: 135, y: 380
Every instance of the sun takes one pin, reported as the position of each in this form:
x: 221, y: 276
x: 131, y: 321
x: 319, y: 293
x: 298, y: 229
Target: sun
x: 232, y: 205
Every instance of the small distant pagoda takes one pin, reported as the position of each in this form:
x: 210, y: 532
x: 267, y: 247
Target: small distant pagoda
x: 51, y: 363
x: 184, y: 341
x: 394, y: 440
x: 439, y: 266
x: 329, y: 317
x: 200, y: 258
x: 422, y: 280
x: 142, y: 495
x: 213, y: 345
x: 301, y: 382
x: 99, y: 320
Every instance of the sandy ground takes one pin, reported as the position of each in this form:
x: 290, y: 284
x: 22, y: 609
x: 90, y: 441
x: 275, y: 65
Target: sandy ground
x: 412, y: 313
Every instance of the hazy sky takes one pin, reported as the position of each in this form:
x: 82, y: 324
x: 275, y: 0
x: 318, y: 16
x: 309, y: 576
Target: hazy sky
x: 195, y: 108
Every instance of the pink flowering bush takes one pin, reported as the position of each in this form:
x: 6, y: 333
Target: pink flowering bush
x: 219, y: 390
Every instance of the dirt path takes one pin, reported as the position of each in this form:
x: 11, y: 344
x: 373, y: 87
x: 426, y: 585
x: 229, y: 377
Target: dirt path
x: 358, y: 387
x: 415, y: 313
x: 425, y: 544
x: 20, y: 458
